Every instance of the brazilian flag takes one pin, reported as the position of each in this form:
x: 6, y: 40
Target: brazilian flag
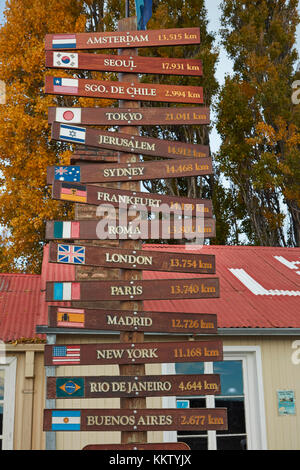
x: 70, y: 387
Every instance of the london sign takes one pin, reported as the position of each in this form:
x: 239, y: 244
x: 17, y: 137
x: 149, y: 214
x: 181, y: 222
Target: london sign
x: 120, y: 39
x: 127, y: 143
x: 130, y: 320
x: 133, y: 386
x: 133, y: 353
x: 195, y: 288
x: 128, y: 63
x: 99, y: 173
x: 133, y: 91
x: 132, y: 259
x: 198, y: 419
x: 168, y: 116
x: 151, y: 202
x: 137, y: 229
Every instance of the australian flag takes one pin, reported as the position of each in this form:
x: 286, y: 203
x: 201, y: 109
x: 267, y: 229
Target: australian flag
x: 71, y: 254
x: 143, y: 12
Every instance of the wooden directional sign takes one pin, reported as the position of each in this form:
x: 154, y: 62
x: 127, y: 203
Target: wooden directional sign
x: 131, y: 64
x: 119, y: 39
x: 133, y: 386
x: 163, y: 446
x: 196, y: 288
x: 198, y: 419
x: 127, y: 353
x: 132, y: 259
x: 132, y: 91
x: 127, y: 143
x: 137, y: 229
x: 125, y: 320
x: 130, y: 117
x: 151, y: 202
x: 99, y: 173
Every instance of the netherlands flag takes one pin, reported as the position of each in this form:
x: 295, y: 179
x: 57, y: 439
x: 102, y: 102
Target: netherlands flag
x: 64, y: 41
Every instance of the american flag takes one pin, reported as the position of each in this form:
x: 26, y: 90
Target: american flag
x: 66, y: 355
x: 71, y: 254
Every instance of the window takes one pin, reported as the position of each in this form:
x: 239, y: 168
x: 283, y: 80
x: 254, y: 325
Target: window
x: 7, y: 402
x: 241, y: 394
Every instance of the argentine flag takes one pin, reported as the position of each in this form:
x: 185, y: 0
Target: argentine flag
x: 72, y: 133
x: 65, y: 420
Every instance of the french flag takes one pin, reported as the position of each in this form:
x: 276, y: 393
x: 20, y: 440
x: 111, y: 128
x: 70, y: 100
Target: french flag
x: 64, y: 41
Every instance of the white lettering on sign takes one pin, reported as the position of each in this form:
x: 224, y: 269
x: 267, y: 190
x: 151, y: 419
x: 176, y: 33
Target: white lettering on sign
x: 256, y: 288
x: 296, y: 354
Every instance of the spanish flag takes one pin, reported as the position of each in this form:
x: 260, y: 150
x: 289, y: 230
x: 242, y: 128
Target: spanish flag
x: 73, y: 192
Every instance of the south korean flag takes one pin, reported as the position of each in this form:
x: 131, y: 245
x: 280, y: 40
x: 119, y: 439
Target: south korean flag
x: 67, y: 60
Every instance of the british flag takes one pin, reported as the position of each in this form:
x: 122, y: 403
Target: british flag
x: 71, y: 254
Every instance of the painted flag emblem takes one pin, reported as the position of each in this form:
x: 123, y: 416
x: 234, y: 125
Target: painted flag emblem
x: 70, y: 386
x: 68, y: 86
x: 72, y: 133
x: 66, y: 291
x: 71, y: 192
x: 62, y: 59
x: 64, y: 41
x: 70, y: 317
x: 71, y: 254
x: 67, y: 173
x: 66, y: 355
x: 65, y: 420
x: 66, y: 230
x: 68, y: 115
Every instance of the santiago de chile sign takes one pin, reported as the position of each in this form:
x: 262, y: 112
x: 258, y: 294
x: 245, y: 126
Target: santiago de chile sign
x: 132, y: 64
x: 99, y: 173
x: 127, y: 143
x: 135, y: 420
x: 133, y: 91
x: 126, y: 320
x: 120, y: 39
x: 95, y: 195
x: 130, y: 117
x: 139, y: 353
x: 133, y: 386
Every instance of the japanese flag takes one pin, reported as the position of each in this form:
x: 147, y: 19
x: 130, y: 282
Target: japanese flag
x: 68, y: 115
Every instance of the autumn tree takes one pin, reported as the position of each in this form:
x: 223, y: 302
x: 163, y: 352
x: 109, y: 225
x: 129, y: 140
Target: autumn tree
x: 257, y: 120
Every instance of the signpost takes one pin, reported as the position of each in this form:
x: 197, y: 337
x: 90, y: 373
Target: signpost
x: 127, y: 143
x: 70, y: 318
x: 130, y: 117
x: 133, y: 386
x: 133, y: 90
x: 134, y: 353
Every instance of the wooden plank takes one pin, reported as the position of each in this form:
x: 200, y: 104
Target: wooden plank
x: 130, y: 117
x: 137, y: 446
x: 127, y: 143
x: 132, y: 259
x: 133, y: 353
x: 126, y: 39
x: 67, y: 318
x: 133, y: 91
x: 195, y: 288
x: 99, y: 173
x: 151, y: 202
x: 127, y: 63
x: 137, y: 229
x: 133, y: 386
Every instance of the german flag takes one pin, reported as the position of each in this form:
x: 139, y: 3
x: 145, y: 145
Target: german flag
x: 73, y: 192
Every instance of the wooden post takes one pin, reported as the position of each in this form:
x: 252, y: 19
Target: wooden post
x: 129, y: 24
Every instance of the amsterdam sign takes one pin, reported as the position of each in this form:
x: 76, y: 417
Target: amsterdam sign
x: 99, y: 173
x: 120, y: 39
x: 95, y: 195
x: 132, y: 259
x: 126, y: 320
x: 127, y: 143
x: 133, y: 91
x: 196, y: 288
x: 128, y: 63
x: 127, y: 353
x: 130, y: 116
x: 198, y: 419
x: 133, y: 386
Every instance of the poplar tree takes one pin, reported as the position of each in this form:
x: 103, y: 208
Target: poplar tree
x: 257, y: 120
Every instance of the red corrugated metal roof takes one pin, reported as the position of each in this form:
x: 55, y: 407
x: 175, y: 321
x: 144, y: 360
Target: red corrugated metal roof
x: 263, y: 292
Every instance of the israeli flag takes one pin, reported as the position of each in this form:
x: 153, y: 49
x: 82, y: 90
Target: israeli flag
x: 72, y: 133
